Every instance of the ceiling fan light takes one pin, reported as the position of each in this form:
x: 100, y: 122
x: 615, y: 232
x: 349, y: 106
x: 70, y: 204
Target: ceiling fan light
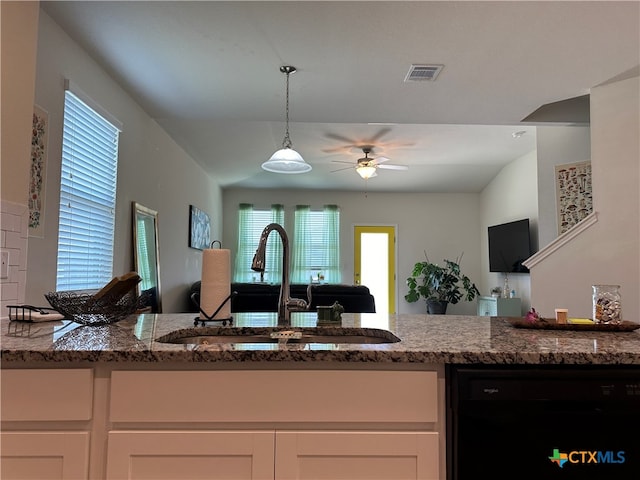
x: 286, y: 160
x: 366, y: 171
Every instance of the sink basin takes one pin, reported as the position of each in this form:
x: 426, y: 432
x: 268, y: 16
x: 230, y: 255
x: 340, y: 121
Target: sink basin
x: 328, y: 335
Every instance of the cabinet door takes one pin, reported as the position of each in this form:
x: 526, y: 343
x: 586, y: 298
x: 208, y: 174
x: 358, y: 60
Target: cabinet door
x: 357, y: 455
x: 44, y: 455
x: 164, y: 455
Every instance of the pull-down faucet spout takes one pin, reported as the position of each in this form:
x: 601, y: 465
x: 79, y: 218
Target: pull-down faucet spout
x: 285, y: 304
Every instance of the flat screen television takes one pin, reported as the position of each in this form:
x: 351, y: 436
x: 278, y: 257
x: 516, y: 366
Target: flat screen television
x: 509, y: 246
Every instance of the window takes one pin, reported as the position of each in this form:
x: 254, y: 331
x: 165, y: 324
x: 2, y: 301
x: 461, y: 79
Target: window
x: 251, y: 223
x: 315, y: 244
x: 87, y: 197
x: 316, y: 248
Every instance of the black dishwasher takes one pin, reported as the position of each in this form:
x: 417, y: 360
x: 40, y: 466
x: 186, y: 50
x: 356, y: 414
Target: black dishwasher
x: 543, y: 422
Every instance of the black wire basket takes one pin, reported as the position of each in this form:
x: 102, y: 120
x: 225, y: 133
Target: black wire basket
x: 85, y: 309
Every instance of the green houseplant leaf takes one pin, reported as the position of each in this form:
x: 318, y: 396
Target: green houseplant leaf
x: 440, y: 283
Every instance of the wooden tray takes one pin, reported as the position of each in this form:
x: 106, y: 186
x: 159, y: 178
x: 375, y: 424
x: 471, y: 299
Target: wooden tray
x: 550, y: 324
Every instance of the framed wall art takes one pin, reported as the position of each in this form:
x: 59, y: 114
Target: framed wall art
x: 199, y: 228
x: 38, y: 171
x: 573, y: 194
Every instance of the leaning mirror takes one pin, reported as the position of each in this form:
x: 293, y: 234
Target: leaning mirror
x: 145, y: 256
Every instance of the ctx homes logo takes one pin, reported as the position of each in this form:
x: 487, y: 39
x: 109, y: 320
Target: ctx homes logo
x: 586, y: 457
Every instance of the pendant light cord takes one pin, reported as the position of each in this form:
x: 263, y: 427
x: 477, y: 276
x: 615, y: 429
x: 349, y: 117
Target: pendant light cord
x: 286, y: 143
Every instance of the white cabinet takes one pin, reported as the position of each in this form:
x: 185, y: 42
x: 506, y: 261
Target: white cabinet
x: 59, y: 404
x: 274, y: 396
x: 310, y: 424
x: 115, y: 423
x: 168, y: 455
x: 499, y: 307
x: 42, y: 455
x: 307, y: 455
x: 283, y: 455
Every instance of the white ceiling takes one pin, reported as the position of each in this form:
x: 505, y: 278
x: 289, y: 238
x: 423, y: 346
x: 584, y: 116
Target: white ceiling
x: 208, y: 72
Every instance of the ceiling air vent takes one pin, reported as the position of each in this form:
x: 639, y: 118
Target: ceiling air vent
x: 422, y: 73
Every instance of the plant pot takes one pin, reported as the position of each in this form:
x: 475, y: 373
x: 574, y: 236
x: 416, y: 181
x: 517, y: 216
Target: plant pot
x: 436, y: 308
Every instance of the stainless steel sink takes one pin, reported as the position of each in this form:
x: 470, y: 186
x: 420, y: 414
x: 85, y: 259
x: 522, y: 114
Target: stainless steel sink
x: 324, y: 335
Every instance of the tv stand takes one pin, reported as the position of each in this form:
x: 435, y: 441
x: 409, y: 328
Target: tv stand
x: 499, y: 307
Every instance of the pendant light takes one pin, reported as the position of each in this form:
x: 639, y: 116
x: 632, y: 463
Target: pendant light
x: 286, y: 160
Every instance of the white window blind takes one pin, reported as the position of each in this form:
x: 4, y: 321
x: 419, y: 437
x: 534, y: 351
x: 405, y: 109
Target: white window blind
x: 316, y: 246
x: 316, y: 242
x: 251, y: 223
x: 87, y: 197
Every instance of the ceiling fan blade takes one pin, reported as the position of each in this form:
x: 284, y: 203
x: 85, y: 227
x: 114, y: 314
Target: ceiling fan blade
x: 380, y: 160
x: 340, y: 138
x: 394, y: 167
x: 404, y: 144
x: 381, y: 133
x: 342, y: 149
x: 341, y: 169
x: 341, y: 161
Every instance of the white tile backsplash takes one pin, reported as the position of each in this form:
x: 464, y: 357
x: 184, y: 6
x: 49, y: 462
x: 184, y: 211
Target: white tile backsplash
x: 14, y: 221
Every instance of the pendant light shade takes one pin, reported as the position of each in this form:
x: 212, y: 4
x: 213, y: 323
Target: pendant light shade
x: 286, y: 160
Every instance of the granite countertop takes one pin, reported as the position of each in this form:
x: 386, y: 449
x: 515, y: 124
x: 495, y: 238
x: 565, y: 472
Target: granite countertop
x: 424, y: 339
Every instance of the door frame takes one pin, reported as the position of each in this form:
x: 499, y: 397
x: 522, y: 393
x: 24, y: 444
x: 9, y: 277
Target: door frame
x: 394, y: 271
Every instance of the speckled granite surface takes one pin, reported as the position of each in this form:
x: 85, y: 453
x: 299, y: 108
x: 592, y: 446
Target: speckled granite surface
x: 424, y: 339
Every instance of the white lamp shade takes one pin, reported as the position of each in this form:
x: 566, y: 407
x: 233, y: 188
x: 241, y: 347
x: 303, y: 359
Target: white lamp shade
x: 366, y: 171
x: 286, y: 160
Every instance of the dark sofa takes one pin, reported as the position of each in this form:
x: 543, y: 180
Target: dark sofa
x: 261, y: 297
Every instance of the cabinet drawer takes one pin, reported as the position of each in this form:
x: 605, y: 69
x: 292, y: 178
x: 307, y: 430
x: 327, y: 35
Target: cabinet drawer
x: 42, y: 394
x: 274, y: 396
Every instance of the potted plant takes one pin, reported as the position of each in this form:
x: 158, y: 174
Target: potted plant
x: 439, y: 285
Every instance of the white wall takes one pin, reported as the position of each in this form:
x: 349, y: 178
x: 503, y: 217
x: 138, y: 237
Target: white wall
x: 152, y: 170
x: 556, y: 145
x: 609, y: 251
x: 511, y: 195
x: 19, y: 27
x: 442, y: 224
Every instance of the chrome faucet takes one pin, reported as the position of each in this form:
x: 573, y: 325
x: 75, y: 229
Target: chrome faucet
x: 286, y: 305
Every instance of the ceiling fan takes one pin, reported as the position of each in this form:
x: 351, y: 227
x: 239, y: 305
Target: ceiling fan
x: 358, y: 143
x: 367, y: 166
